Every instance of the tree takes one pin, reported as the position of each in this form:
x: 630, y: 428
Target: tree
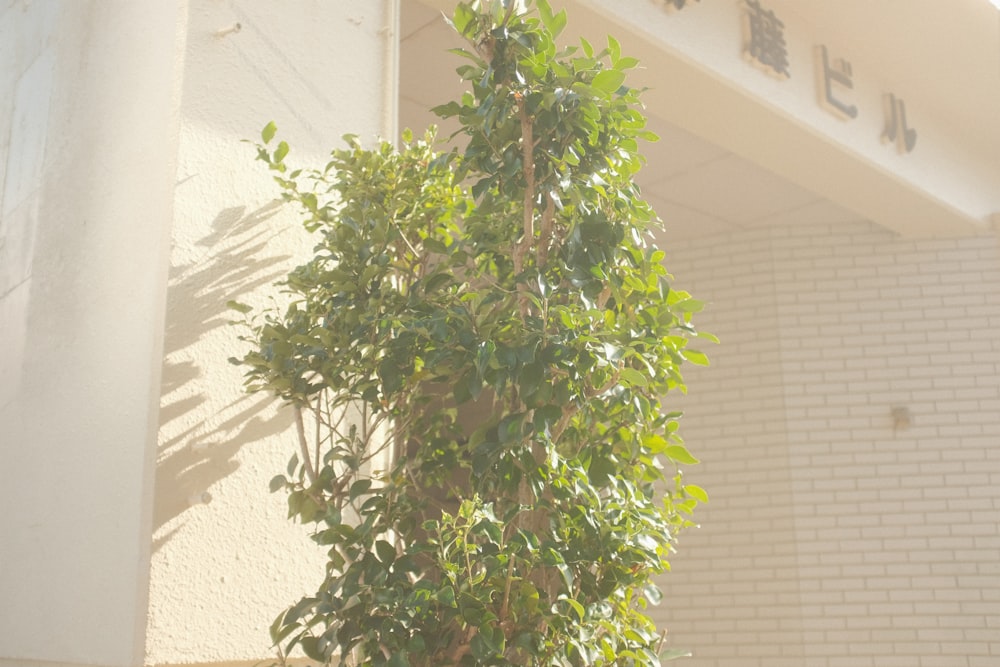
x: 514, y: 280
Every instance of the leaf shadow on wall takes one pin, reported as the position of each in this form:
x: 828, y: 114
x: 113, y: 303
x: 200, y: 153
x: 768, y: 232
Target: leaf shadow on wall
x: 199, y: 436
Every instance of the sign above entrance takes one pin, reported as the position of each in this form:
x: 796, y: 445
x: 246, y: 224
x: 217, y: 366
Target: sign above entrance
x: 828, y: 95
x: 764, y: 47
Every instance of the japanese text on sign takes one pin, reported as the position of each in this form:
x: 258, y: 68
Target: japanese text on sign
x: 764, y: 46
x: 764, y: 39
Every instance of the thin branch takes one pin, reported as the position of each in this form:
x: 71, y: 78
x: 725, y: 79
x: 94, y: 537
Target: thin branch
x: 511, y: 6
x: 463, y: 648
x: 602, y: 298
x: 593, y: 392
x: 528, y: 165
x: 304, y: 446
x: 506, y: 591
x: 659, y: 644
x: 548, y: 216
x: 402, y: 235
x: 319, y: 425
x: 563, y: 424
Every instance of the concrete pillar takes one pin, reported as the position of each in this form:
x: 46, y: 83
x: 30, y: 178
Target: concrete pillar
x: 89, y: 131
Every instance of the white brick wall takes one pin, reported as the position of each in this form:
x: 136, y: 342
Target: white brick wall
x: 833, y: 537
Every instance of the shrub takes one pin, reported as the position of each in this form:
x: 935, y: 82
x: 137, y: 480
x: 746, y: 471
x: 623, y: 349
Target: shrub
x: 476, y: 355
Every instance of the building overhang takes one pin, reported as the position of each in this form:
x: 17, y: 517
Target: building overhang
x: 886, y: 111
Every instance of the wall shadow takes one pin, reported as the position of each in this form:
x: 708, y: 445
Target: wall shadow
x: 198, y: 441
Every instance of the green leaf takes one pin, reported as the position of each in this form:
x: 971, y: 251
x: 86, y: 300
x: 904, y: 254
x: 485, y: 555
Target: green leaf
x: 268, y: 132
x: 416, y: 645
x: 464, y: 17
x: 483, y: 356
x: 695, y: 357
x: 577, y: 607
x: 601, y: 469
x: 447, y: 110
x: 654, y: 443
x: 386, y: 552
x: 480, y: 648
x: 674, y: 654
x: 689, y: 305
x: 279, y: 629
x: 278, y: 482
x: 679, y: 454
x: 697, y: 492
x: 509, y: 428
x: 360, y: 487
x: 472, y: 609
x: 398, y: 659
x: 608, y: 81
x: 280, y: 152
x: 446, y: 596
x: 626, y: 63
x: 633, y: 377
x: 614, y: 49
x: 559, y: 22
x: 310, y: 646
x: 554, y: 23
x: 238, y: 307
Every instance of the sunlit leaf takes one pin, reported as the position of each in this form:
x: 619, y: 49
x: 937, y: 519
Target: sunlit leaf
x: 268, y: 132
x: 697, y: 492
x: 679, y: 454
x: 608, y: 81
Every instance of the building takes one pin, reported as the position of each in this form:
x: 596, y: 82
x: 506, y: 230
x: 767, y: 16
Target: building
x: 830, y: 180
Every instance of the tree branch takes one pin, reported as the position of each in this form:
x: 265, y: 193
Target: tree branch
x: 548, y: 216
x: 304, y: 446
x: 528, y: 165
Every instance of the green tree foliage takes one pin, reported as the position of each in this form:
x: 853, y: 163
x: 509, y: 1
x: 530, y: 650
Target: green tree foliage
x: 515, y: 278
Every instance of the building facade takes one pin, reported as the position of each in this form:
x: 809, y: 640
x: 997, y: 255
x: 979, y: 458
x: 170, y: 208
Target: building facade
x: 829, y: 178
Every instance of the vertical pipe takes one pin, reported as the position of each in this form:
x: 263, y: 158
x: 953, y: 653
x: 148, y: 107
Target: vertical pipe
x: 390, y: 106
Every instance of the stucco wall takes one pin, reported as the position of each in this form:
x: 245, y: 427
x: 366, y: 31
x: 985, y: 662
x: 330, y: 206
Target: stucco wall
x: 87, y: 145
x: 838, y: 535
x: 225, y: 559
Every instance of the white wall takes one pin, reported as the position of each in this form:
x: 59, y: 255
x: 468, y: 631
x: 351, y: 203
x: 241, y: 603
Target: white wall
x: 835, y: 535
x: 222, y: 571
x: 88, y: 138
x: 730, y: 592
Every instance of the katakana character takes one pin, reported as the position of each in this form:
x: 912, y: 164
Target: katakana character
x: 895, y: 124
x: 839, y: 73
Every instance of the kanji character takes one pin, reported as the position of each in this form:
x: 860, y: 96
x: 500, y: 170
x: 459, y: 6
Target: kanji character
x: 765, y: 39
x: 676, y: 5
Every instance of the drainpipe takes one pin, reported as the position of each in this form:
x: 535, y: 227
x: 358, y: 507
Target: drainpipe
x: 390, y: 73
